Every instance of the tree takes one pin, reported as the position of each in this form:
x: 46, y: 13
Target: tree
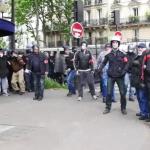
x: 51, y: 13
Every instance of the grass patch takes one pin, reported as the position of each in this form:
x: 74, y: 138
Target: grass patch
x: 52, y: 84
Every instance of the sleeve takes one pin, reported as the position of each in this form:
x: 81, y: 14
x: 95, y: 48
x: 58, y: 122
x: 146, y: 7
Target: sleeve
x: 106, y: 59
x: 76, y: 61
x: 46, y: 64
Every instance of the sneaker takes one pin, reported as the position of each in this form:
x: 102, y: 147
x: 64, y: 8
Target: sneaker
x: 21, y: 93
x: 131, y: 99
x: 40, y: 98
x: 143, y: 118
x: 79, y: 98
x: 124, y: 112
x: 35, y: 98
x: 106, y: 111
x: 147, y: 120
x: 94, y: 97
x: 69, y: 94
x: 5, y: 94
x: 138, y: 114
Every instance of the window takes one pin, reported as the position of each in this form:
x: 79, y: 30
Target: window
x: 135, y: 11
x: 99, y: 13
x: 89, y: 14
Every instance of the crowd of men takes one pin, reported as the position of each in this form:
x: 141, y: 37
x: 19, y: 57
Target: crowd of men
x: 21, y: 72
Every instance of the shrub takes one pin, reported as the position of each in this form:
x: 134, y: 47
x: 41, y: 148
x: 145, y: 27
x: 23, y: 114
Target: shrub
x: 52, y: 84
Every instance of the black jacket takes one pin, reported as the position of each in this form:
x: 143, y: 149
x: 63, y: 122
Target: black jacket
x: 3, y: 67
x: 83, y: 61
x: 136, y: 70
x: 118, y: 64
x: 69, y: 61
x: 131, y: 56
x: 42, y: 61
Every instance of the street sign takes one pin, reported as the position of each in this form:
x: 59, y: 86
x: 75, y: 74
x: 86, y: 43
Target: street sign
x: 77, y: 30
x: 119, y: 34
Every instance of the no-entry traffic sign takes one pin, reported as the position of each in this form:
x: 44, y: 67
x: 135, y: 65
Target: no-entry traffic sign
x: 77, y: 30
x: 119, y: 34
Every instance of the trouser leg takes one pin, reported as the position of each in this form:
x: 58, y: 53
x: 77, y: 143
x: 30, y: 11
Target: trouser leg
x: 110, y: 86
x: 122, y: 90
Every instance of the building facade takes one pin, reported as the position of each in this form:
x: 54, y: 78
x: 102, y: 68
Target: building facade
x: 134, y: 20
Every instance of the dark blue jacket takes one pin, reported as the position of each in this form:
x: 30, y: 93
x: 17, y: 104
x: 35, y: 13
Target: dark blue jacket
x: 118, y: 64
x: 42, y: 61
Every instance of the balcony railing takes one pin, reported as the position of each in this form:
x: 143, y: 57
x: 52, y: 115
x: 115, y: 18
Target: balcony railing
x: 96, y: 22
x: 97, y: 2
x: 87, y: 2
x: 123, y: 21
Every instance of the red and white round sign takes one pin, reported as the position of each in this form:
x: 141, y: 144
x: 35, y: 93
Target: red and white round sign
x: 77, y: 30
x: 119, y: 34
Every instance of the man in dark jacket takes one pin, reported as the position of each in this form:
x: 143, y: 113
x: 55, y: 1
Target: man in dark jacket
x: 83, y: 63
x: 137, y: 82
x: 38, y: 64
x: 71, y: 74
x: 118, y: 65
x: 3, y: 74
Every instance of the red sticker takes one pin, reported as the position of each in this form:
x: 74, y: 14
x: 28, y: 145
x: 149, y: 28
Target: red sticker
x: 125, y: 59
x: 46, y: 61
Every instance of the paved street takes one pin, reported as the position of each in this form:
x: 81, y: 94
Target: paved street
x: 62, y: 123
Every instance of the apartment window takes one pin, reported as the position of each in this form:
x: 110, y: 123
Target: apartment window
x: 135, y: 11
x: 99, y: 14
x: 89, y: 16
x: 98, y: 1
x: 87, y: 2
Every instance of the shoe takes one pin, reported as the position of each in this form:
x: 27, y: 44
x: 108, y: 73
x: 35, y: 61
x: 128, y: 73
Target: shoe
x: 69, y: 94
x: 114, y: 101
x: 138, y: 114
x: 94, y: 97
x: 79, y: 98
x: 40, y: 98
x: 21, y: 93
x: 147, y: 120
x: 143, y: 118
x: 106, y: 111
x: 16, y: 92
x: 124, y: 112
x: 5, y: 94
x: 131, y: 99
x: 35, y: 98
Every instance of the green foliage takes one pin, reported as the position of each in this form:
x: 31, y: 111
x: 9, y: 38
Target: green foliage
x: 49, y: 84
x: 57, y: 13
x: 134, y: 19
x: 147, y: 14
x: 2, y: 43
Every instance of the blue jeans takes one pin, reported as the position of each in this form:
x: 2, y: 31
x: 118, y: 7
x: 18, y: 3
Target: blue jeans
x: 71, y: 81
x: 29, y: 81
x: 142, y: 101
x: 104, y: 79
x: 129, y: 88
x: 38, y: 85
x: 3, y: 85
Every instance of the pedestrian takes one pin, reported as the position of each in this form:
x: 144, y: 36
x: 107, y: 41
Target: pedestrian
x: 118, y: 65
x: 83, y: 64
x: 3, y: 74
x: 38, y: 65
x: 131, y: 56
x: 71, y: 73
x: 104, y: 75
x: 137, y: 82
x: 17, y: 63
